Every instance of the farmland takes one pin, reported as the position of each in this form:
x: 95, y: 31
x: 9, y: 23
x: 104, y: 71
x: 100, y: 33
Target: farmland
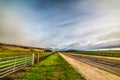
x: 52, y: 68
x: 14, y: 57
x: 98, y: 53
x: 19, y: 61
x: 7, y: 50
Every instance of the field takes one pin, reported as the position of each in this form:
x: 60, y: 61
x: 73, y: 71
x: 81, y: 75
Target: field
x: 14, y: 57
x: 52, y: 68
x: 99, y: 53
x: 4, y: 54
x: 7, y: 50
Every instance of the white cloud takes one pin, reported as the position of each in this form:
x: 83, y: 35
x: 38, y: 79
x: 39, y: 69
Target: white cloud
x: 92, y: 23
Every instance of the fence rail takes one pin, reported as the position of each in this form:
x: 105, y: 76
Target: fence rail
x: 13, y: 64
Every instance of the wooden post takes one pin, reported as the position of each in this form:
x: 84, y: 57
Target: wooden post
x: 38, y: 58
x: 33, y: 56
x: 14, y: 64
x: 25, y: 61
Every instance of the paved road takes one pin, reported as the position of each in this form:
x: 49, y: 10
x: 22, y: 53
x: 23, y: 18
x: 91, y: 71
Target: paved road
x: 111, y: 65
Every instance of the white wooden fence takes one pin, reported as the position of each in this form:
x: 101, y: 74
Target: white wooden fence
x: 9, y: 65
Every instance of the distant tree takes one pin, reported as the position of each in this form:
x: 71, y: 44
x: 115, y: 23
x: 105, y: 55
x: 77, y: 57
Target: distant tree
x: 48, y: 50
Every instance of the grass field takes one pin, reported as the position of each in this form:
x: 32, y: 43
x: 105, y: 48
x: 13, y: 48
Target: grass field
x: 100, y: 53
x: 8, y: 50
x: 52, y: 68
x: 13, y: 53
x: 4, y: 54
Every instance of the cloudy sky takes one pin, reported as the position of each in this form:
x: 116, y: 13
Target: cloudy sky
x: 61, y: 24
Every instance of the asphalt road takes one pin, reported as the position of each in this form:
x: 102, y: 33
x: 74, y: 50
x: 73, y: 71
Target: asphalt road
x: 111, y: 65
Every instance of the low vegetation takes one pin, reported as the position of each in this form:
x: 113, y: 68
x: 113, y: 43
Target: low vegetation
x: 7, y: 50
x: 11, y: 47
x: 99, y: 53
x: 4, y: 54
x: 52, y: 68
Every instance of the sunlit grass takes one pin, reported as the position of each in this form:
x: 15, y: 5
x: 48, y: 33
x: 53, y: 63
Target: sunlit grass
x: 52, y: 68
x: 6, y: 54
x: 100, y: 53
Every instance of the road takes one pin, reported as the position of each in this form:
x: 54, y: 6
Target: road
x: 104, y: 66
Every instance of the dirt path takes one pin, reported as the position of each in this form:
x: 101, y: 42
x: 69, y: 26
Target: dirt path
x: 90, y: 72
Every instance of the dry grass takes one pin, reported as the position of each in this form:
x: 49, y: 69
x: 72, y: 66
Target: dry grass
x: 9, y: 47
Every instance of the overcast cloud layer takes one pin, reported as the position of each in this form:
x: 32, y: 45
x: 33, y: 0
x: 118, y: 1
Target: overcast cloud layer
x: 61, y: 24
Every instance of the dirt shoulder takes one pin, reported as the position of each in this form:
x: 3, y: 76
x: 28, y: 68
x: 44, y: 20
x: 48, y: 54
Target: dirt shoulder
x: 90, y: 72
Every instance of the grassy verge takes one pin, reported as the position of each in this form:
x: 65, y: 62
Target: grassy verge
x: 52, y: 68
x: 100, y: 53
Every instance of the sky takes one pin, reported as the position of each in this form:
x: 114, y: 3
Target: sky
x: 61, y: 24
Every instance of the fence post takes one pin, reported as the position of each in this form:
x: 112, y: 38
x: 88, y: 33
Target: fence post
x: 33, y: 56
x: 25, y: 61
x: 14, y: 64
x: 38, y: 58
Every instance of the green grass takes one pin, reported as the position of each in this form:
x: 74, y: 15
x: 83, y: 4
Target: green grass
x: 52, y: 68
x: 100, y: 53
x: 12, y: 53
x: 4, y: 54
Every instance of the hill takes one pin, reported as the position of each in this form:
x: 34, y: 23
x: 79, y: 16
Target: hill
x: 11, y: 47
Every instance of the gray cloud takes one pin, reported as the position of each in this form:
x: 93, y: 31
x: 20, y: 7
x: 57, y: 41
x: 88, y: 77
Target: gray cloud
x: 113, y: 34
x: 108, y: 45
